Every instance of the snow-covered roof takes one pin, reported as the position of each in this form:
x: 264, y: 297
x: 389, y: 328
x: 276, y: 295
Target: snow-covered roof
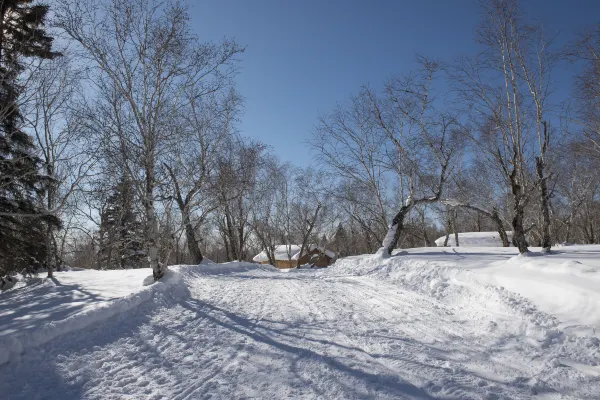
x: 290, y: 252
x: 477, y: 239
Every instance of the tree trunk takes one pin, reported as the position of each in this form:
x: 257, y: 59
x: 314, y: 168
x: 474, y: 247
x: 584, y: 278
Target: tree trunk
x: 391, y: 239
x: 307, y: 235
x: 519, y: 239
x: 395, y: 230
x: 454, y: 228
x: 192, y: 242
x: 184, y: 208
x: 539, y: 167
x: 49, y: 251
x: 151, y: 231
x: 425, y: 237
x: 500, y: 228
x: 232, y: 254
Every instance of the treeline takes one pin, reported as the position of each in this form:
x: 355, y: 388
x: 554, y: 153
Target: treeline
x: 119, y: 146
x: 480, y: 143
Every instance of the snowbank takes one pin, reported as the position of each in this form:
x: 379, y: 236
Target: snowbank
x: 474, y: 239
x: 560, y: 291
x: 36, y: 314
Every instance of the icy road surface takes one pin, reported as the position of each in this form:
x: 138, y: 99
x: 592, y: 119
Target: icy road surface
x: 430, y: 323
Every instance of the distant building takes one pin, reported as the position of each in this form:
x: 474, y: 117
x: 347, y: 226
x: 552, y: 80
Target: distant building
x: 474, y: 239
x: 286, y: 256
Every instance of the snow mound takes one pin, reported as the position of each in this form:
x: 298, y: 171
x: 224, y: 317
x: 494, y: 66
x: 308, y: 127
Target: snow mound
x: 556, y: 297
x: 42, y: 309
x: 53, y: 307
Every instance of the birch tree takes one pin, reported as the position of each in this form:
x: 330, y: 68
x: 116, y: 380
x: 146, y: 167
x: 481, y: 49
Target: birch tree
x: 207, y: 124
x: 145, y: 52
x: 421, y: 130
x: 506, y: 88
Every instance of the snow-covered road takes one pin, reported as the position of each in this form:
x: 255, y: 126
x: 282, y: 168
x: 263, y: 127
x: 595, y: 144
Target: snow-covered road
x: 407, y: 329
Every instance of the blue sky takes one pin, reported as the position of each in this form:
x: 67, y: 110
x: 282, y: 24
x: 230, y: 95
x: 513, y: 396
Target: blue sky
x: 304, y: 57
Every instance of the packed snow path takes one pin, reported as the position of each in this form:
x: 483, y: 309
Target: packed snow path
x: 399, y: 328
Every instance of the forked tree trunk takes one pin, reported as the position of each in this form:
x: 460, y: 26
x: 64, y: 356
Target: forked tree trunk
x: 184, y: 208
x: 519, y: 239
x: 192, y: 243
x: 395, y: 230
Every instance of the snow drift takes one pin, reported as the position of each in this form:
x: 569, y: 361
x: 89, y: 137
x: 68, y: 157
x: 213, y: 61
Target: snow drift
x: 76, y: 299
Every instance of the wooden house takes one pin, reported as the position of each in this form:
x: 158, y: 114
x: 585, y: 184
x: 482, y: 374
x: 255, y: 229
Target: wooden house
x: 286, y: 256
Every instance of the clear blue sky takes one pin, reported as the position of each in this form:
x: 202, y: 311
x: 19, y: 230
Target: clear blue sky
x: 305, y: 56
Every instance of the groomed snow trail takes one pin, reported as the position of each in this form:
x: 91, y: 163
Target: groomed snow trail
x: 410, y: 329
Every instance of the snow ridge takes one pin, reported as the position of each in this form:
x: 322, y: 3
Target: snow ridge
x: 461, y: 289
x: 13, y: 346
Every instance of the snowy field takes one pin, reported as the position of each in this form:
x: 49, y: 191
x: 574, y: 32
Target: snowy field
x: 448, y: 323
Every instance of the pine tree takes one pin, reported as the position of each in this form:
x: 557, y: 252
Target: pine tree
x: 121, y: 231
x: 23, y: 224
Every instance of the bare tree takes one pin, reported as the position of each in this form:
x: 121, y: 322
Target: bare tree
x: 190, y: 167
x: 57, y: 131
x: 422, y: 138
x: 308, y: 208
x: 401, y: 135
x: 508, y: 84
x: 143, y: 51
x: 587, y: 85
x: 234, y: 184
x: 271, y: 212
x: 350, y: 143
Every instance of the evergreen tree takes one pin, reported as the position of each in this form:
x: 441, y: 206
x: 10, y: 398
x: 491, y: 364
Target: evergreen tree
x: 23, y: 224
x: 121, y: 232
x: 339, y: 243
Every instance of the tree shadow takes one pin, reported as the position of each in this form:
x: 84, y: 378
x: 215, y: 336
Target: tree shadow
x: 23, y: 310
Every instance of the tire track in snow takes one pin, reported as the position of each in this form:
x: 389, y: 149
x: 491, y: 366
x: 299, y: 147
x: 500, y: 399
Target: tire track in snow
x: 199, y: 386
x: 365, y: 352
x: 444, y: 378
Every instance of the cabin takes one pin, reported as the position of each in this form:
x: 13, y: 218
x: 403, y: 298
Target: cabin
x: 286, y: 256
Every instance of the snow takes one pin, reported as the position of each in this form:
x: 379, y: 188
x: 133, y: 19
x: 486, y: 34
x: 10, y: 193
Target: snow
x: 70, y: 301
x: 479, y: 239
x: 464, y: 322
x: 289, y: 252
x: 282, y: 252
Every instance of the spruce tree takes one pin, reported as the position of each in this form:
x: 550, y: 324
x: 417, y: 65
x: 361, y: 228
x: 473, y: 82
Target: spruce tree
x: 23, y: 223
x: 121, y: 231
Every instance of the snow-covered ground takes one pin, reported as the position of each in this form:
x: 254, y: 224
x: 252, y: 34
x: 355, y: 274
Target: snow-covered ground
x: 462, y: 323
